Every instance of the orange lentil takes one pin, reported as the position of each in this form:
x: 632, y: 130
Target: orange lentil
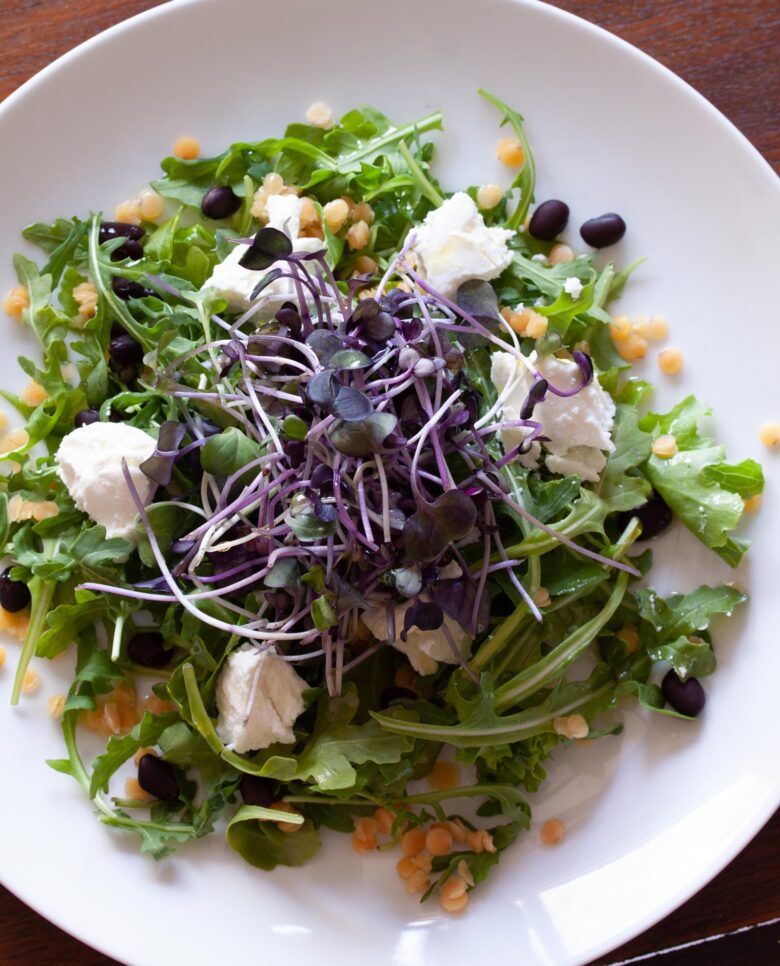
x: 56, y: 705
x: 489, y: 195
x: 3, y: 655
x: 335, y: 214
x: 365, y: 827
x: 363, y: 212
x: 187, y: 148
x: 134, y: 791
x: 656, y: 328
x: 406, y: 867
x: 464, y: 871
x: 16, y: 439
x: 150, y: 205
x: 536, y: 325
x: 769, y: 435
x: 155, y: 705
x: 144, y: 751
x: 453, y: 888
x: 358, y: 235
x: 359, y: 844
x: 31, y: 681
x: 630, y: 636
x: 552, y: 832
x: 753, y: 504
x: 480, y: 840
x: 665, y: 447
x: 413, y: 841
x: 444, y: 775
x: 439, y: 841
x: 418, y: 882
x: 17, y: 300
x: 542, y: 597
x: 458, y: 831
x: 112, y: 717
x: 510, y: 152
x: 384, y: 820
x: 320, y: 115
x: 128, y: 212
x: 620, y: 327
x: 455, y: 905
x: 286, y: 826
x: 578, y: 727
x: 34, y: 393
x: 670, y: 361
x: 365, y: 265
x: 15, y: 623
x: 560, y: 253
x: 632, y: 348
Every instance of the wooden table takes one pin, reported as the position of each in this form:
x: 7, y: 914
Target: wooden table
x: 728, y: 50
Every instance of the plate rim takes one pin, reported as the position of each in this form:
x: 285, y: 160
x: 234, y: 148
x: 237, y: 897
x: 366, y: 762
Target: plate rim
x: 759, y: 818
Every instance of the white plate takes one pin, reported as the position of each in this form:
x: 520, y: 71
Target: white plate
x: 651, y: 816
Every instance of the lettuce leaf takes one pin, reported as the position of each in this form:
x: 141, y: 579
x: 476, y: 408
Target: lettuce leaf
x: 704, y: 491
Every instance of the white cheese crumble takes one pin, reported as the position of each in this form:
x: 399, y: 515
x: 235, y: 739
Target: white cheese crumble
x: 259, y: 696
x: 454, y: 245
x: 578, y: 428
x: 89, y: 463
x: 233, y: 282
x: 423, y: 648
x: 573, y: 286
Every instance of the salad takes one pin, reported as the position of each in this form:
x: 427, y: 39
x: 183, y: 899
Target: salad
x: 339, y: 487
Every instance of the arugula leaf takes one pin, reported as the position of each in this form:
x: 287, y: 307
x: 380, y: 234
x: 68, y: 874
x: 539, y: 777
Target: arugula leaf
x: 254, y: 834
x: 671, y: 626
x: 702, y: 490
x: 145, y: 734
x: 525, y: 180
x: 622, y: 485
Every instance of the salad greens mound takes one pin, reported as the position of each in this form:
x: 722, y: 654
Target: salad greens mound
x: 367, y: 537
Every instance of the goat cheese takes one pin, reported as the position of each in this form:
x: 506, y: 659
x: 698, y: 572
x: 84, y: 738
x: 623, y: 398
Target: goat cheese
x: 573, y: 286
x: 454, y: 245
x: 259, y: 696
x: 423, y: 648
x: 578, y: 428
x: 231, y: 281
x: 89, y: 463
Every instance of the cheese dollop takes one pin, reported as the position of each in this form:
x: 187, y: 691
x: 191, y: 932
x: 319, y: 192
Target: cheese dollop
x: 454, y: 245
x: 259, y: 696
x: 578, y: 428
x: 89, y: 463
x: 231, y: 281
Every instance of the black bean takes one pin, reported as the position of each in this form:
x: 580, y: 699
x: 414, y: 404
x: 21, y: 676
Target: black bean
x: 14, y: 595
x: 394, y: 693
x: 158, y: 778
x: 220, y: 202
x: 86, y: 417
x: 117, y: 329
x: 119, y: 229
x: 604, y: 230
x: 124, y: 350
x: 687, y: 696
x: 130, y: 249
x: 655, y: 516
x: 126, y: 288
x: 549, y: 219
x: 116, y: 415
x: 147, y: 648
x: 256, y: 790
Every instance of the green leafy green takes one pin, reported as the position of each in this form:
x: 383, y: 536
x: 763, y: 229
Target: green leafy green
x: 704, y: 492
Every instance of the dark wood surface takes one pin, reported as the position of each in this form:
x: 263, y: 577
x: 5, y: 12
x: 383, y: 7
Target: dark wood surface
x: 727, y: 49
